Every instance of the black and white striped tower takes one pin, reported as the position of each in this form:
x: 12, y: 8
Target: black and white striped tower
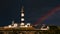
x: 22, y: 15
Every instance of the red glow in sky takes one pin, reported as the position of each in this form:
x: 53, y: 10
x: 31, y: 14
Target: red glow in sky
x: 51, y: 12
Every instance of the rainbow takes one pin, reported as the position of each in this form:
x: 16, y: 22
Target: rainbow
x: 51, y: 12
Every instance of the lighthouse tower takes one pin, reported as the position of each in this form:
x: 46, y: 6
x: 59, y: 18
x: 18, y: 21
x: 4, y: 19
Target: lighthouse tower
x: 22, y: 16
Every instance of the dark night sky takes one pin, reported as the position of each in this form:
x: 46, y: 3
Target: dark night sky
x: 34, y: 9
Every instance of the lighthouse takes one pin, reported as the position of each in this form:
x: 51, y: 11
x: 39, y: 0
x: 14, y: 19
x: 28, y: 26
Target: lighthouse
x: 22, y: 16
